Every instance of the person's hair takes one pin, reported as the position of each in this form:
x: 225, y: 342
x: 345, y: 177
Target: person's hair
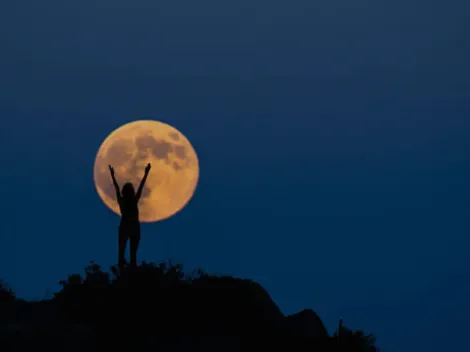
x: 128, y: 190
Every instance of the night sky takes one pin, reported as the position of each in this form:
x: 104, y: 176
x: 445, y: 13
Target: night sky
x: 333, y: 140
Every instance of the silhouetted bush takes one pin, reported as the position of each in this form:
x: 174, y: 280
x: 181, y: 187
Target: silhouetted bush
x: 158, y: 306
x: 350, y: 340
x: 6, y: 293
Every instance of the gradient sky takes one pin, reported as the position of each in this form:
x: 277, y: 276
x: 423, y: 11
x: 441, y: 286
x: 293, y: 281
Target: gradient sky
x: 333, y: 137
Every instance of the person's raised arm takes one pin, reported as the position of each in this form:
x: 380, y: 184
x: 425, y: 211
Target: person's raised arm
x: 116, y: 186
x: 142, y: 183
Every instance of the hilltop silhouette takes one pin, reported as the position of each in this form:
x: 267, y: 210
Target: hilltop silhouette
x: 157, y: 307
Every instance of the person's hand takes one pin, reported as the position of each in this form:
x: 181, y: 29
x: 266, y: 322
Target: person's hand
x: 111, y: 169
x: 147, y: 168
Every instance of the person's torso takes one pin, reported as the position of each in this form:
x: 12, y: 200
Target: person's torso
x: 129, y: 210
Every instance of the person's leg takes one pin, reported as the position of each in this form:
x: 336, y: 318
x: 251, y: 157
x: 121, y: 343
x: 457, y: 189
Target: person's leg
x: 122, y: 247
x: 134, y: 245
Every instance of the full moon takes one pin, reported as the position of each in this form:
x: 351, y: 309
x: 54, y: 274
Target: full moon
x: 172, y: 179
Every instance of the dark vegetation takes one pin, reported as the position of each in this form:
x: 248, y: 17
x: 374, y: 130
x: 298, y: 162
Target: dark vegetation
x: 160, y: 308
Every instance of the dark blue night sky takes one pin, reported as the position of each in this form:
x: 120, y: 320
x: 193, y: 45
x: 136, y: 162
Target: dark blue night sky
x: 333, y: 137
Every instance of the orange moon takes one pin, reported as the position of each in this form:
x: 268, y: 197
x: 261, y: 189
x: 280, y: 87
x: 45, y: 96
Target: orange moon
x: 173, y: 177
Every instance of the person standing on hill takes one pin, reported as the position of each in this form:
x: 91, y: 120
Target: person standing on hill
x: 129, y: 227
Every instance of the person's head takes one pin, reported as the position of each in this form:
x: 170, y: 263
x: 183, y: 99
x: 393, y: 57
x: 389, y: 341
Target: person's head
x: 128, y: 190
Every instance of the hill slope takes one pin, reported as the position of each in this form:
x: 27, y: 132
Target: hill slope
x: 159, y: 308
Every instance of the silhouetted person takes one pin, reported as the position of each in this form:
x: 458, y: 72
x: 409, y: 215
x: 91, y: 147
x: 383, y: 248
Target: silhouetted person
x: 129, y: 228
